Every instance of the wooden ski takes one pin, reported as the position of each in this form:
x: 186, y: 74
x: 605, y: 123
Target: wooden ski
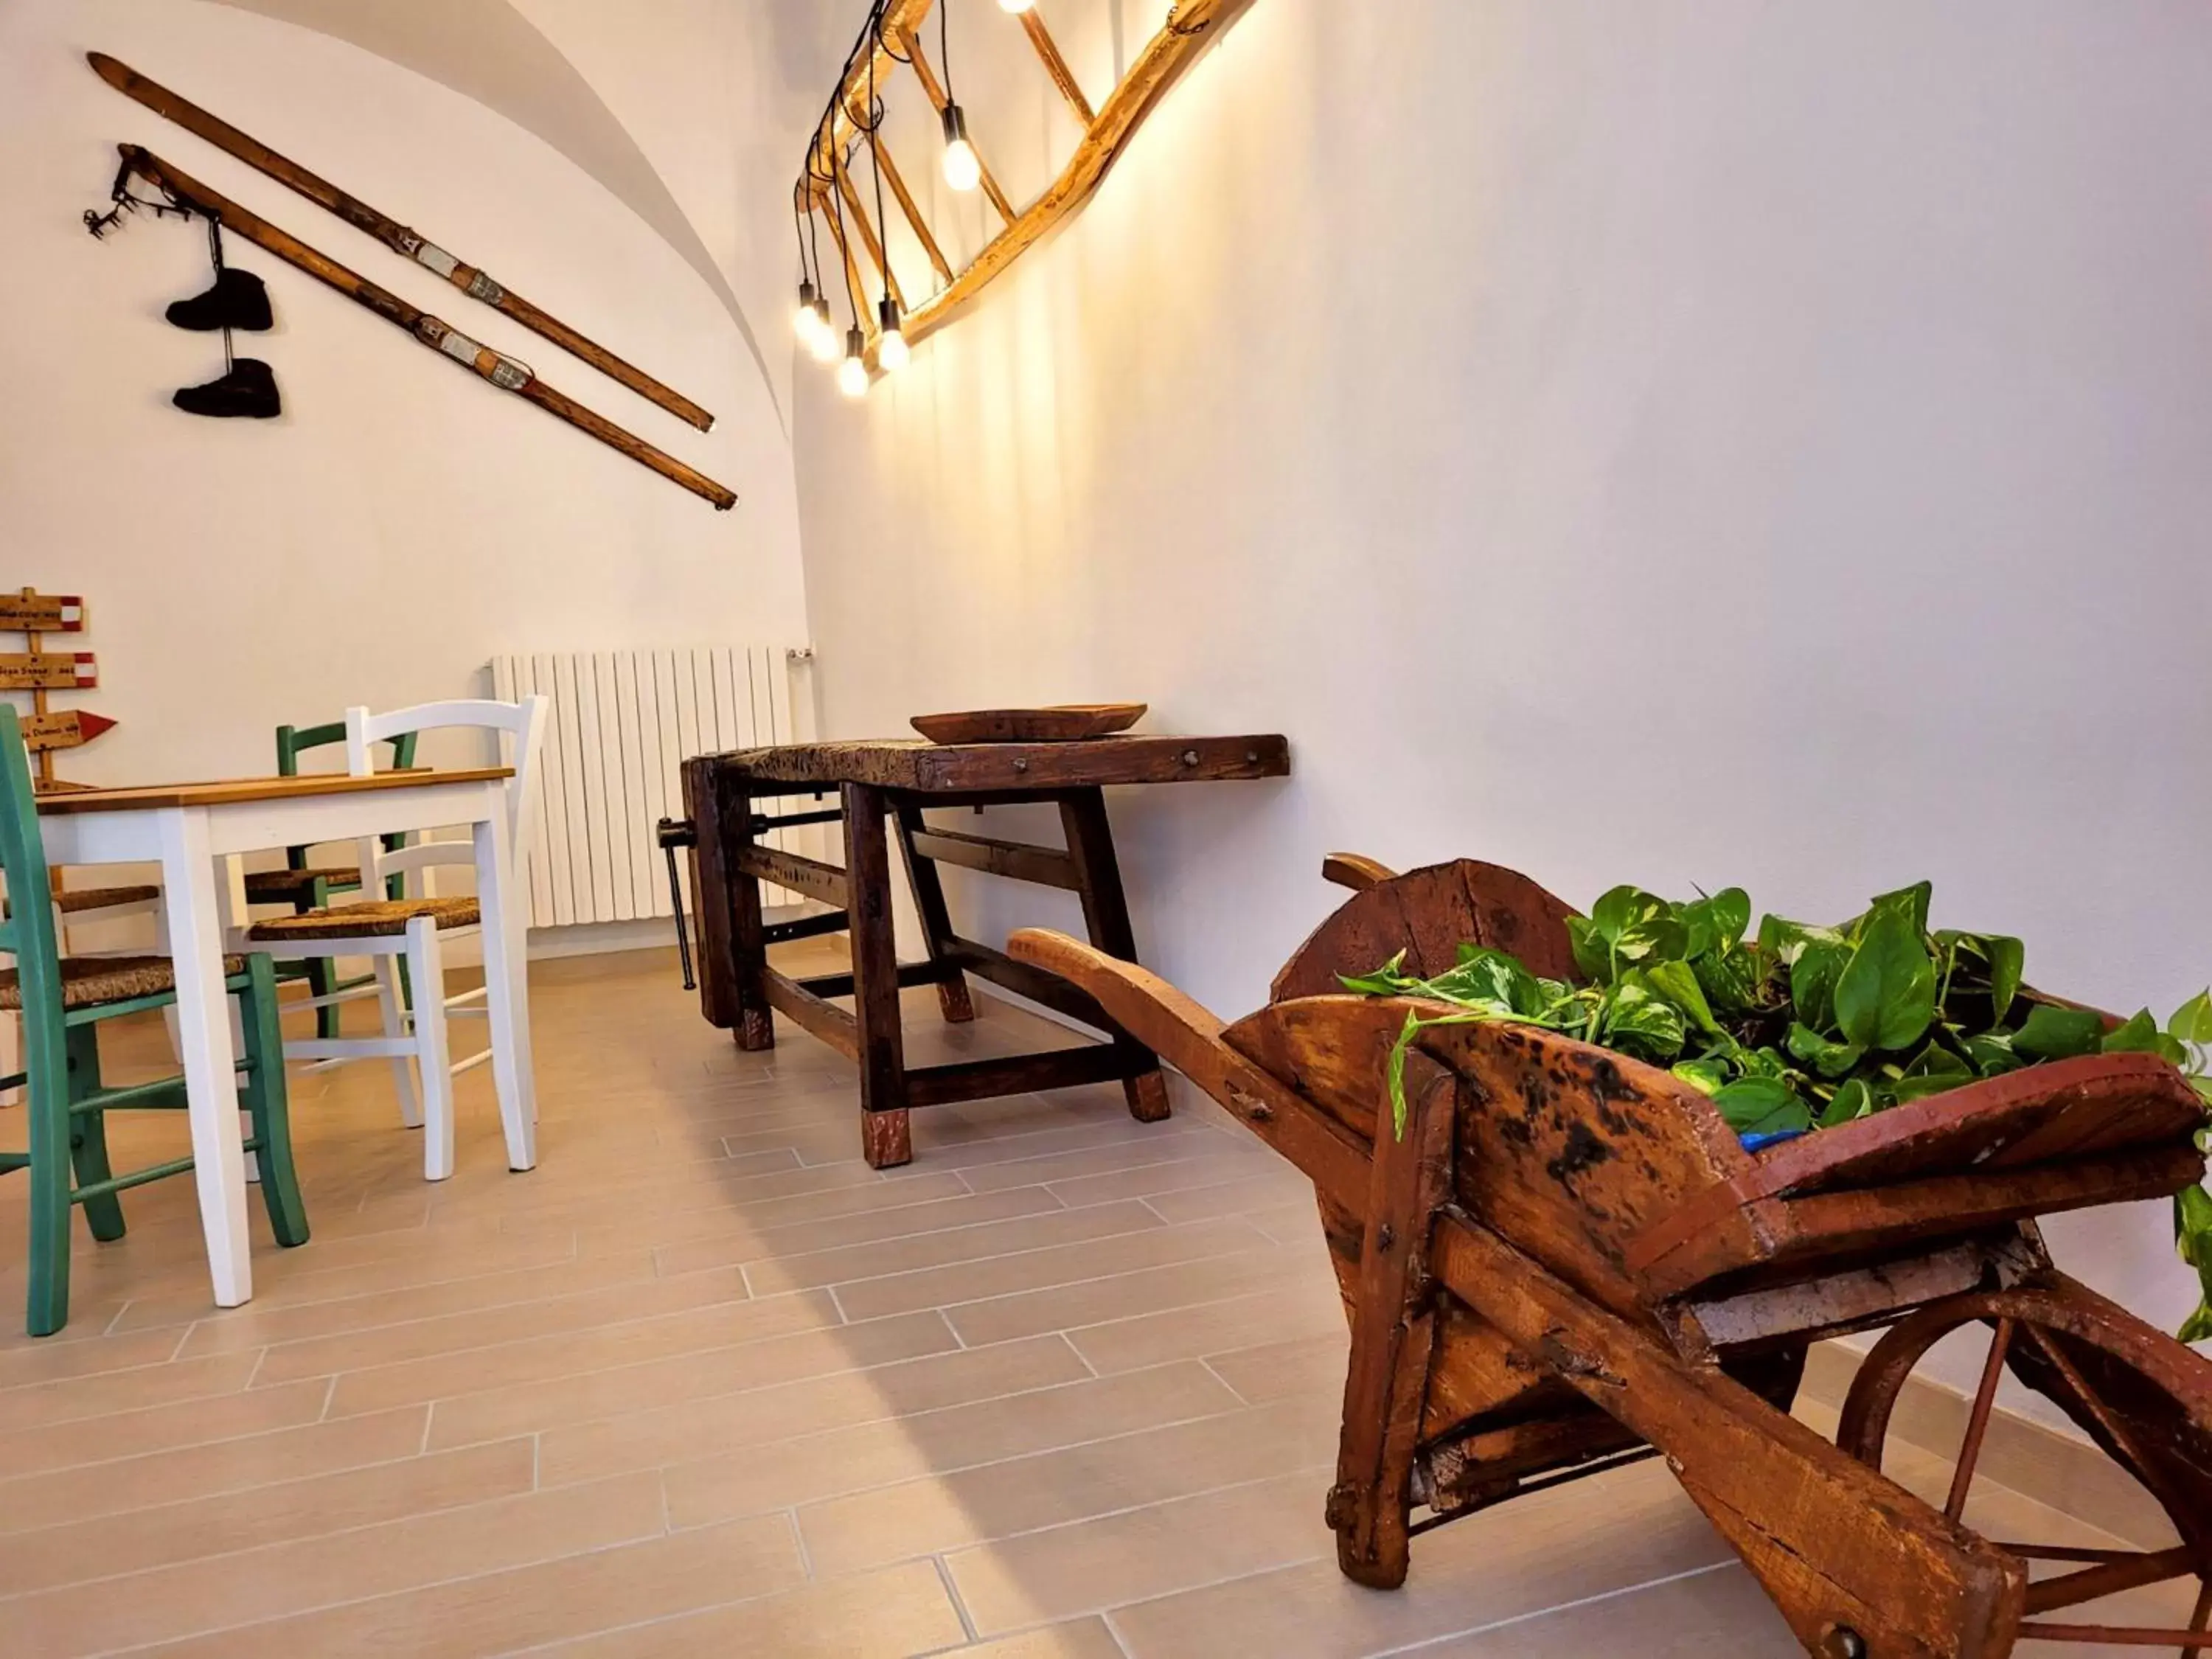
x: 475, y: 283
x: 503, y: 372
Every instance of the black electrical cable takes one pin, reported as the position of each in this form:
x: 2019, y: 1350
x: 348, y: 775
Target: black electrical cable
x: 875, y: 170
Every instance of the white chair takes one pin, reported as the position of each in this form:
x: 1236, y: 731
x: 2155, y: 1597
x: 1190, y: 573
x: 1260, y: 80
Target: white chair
x: 417, y: 927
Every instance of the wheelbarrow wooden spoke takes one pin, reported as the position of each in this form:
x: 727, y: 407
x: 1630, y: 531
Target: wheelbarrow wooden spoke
x: 2123, y: 1443
x: 2200, y: 1621
x: 1977, y: 1425
x: 2118, y: 1635
x: 2110, y: 1577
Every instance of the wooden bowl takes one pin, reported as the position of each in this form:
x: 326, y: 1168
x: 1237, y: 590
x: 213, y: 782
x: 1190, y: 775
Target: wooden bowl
x: 1061, y: 723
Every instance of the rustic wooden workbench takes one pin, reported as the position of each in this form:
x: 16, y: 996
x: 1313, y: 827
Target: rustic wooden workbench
x: 884, y: 788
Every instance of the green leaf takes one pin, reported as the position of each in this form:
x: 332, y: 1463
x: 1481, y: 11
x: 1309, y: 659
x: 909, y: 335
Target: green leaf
x: 1761, y: 1105
x: 1911, y: 903
x: 1590, y: 953
x: 1678, y: 982
x: 1637, y: 927
x: 2192, y: 1227
x: 1706, y: 1074
x: 1385, y: 981
x: 1731, y: 909
x: 2050, y: 1032
x: 1785, y: 939
x: 1934, y: 1070
x: 2192, y: 1021
x: 2008, y: 961
x: 1828, y: 1058
x: 1714, y: 923
x: 1487, y: 977
x: 1640, y: 1021
x: 2137, y: 1035
x: 1885, y: 997
x: 1820, y: 963
x: 1992, y: 1053
x: 1734, y: 980
x: 1854, y: 1100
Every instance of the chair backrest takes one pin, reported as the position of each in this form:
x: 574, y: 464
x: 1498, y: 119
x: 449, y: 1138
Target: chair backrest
x: 519, y: 729
x: 292, y: 741
x: 28, y: 932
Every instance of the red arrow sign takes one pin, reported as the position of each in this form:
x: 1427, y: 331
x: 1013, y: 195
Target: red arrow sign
x: 69, y: 729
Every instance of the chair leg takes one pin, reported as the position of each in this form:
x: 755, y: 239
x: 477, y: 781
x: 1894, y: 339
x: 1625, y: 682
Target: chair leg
x: 518, y: 1115
x: 168, y: 1009
x: 434, y: 1059
x: 322, y: 971
x: 88, y: 1132
x: 395, y: 1025
x: 322, y: 981
x: 47, y: 1055
x: 268, y: 1101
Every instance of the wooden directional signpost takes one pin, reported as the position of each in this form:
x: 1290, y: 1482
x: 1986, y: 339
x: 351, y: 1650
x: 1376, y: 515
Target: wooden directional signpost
x: 41, y: 672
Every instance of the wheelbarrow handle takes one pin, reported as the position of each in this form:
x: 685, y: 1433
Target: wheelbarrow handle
x: 1189, y: 1037
x: 1355, y: 871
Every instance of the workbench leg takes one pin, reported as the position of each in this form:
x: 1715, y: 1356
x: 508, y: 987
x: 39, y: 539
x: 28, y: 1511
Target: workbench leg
x: 936, y: 920
x: 1106, y: 914
x: 885, y: 1138
x: 1393, y: 1337
x: 732, y: 954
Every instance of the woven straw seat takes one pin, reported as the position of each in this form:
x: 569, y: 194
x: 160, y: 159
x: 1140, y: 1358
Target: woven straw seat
x: 97, y: 898
x: 100, y: 898
x: 87, y: 981
x: 378, y: 918
x: 289, y: 886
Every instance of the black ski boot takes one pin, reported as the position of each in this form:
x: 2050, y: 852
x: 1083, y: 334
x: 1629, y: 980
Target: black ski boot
x: 238, y: 300
x: 249, y: 390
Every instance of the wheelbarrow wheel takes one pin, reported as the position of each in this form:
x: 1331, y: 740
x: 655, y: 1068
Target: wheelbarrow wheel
x: 2142, y: 1397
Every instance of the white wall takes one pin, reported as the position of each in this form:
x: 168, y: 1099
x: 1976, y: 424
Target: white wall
x: 1696, y: 441
x: 404, y: 521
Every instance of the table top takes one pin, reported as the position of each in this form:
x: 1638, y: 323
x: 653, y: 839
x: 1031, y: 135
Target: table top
x: 923, y: 768
x: 231, y: 792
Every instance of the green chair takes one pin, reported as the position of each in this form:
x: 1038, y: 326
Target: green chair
x: 62, y: 1001
x: 306, y: 886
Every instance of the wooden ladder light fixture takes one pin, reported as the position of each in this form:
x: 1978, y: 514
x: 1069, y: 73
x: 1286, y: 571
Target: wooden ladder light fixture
x: 826, y: 189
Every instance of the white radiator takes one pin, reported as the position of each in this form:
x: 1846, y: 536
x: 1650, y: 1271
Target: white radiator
x: 622, y: 723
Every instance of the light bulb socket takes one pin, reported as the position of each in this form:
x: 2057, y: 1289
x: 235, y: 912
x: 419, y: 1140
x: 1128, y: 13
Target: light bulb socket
x: 887, y: 315
x: 856, y: 343
x: 822, y: 317
x: 954, y: 120
x: 805, y: 293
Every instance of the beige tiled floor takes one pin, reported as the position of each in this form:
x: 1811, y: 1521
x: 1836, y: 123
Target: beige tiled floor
x: 705, y: 1384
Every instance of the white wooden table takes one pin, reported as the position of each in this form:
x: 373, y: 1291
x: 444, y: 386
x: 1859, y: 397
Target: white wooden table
x: 195, y: 831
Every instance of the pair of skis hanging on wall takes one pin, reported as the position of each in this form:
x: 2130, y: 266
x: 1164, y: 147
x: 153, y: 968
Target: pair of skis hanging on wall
x: 504, y: 372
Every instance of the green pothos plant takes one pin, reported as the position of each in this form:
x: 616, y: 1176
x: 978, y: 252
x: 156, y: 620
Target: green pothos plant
x: 1797, y: 1028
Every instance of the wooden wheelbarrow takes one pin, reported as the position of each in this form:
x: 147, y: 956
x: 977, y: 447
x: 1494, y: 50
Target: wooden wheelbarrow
x: 1569, y: 1262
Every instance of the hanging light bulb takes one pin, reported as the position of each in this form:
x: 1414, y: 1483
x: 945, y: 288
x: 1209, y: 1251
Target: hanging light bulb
x: 963, y: 169
x: 853, y: 373
x: 890, y: 341
x: 822, y: 343
x: 1016, y: 5
x: 803, y: 317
